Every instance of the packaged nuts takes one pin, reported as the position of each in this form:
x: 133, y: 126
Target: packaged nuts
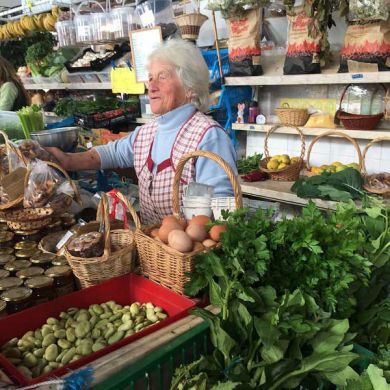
x: 87, y: 245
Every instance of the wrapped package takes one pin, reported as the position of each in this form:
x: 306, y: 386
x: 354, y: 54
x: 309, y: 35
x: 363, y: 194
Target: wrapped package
x: 87, y: 245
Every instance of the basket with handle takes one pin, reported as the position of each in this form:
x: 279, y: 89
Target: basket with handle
x: 13, y: 182
x: 357, y: 121
x: 190, y: 24
x: 119, y: 250
x: 290, y: 172
x: 308, y: 171
x: 158, y: 261
x: 383, y: 189
x: 292, y: 116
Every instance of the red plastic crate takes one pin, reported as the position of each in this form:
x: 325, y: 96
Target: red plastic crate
x: 123, y: 290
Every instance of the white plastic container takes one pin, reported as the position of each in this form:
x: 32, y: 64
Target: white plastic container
x: 66, y: 33
x: 122, y: 19
x: 155, y: 12
x: 85, y: 29
x: 102, y: 27
x: 190, y: 212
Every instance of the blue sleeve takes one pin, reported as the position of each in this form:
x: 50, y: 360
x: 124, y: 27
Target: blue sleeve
x: 118, y: 154
x: 208, y: 171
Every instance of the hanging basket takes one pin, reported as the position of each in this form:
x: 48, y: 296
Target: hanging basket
x: 119, y: 249
x: 340, y: 134
x: 190, y: 25
x: 289, y: 173
x: 292, y: 116
x: 358, y: 122
x: 158, y: 261
x: 367, y: 178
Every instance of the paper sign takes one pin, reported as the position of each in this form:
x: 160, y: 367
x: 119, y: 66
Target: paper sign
x: 142, y: 43
x: 123, y: 81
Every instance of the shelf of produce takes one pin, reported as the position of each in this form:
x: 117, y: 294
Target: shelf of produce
x: 273, y: 75
x: 280, y: 191
x: 357, y: 134
x: 49, y: 86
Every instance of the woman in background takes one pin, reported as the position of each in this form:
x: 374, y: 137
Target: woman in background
x: 13, y: 96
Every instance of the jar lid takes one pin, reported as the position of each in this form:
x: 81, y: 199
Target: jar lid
x: 26, y: 232
x: 59, y: 270
x: 39, y: 281
x: 10, y: 282
x: 3, y: 226
x: 27, y: 253
x: 3, y: 305
x: 6, y: 251
x: 17, y: 265
x: 25, y: 245
x: 6, y: 236
x: 60, y: 260
x: 30, y: 272
x: 42, y: 258
x: 4, y: 259
x: 4, y: 274
x: 16, y: 294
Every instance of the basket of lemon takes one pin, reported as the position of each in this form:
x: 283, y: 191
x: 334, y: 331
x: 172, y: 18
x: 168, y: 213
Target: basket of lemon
x: 282, y: 167
x: 335, y: 166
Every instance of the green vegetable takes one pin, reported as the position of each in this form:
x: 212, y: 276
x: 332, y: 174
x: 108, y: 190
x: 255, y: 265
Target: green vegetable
x: 31, y: 119
x: 249, y: 164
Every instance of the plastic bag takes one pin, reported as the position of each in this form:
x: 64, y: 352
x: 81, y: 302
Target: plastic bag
x: 32, y: 151
x: 63, y: 197
x: 365, y: 10
x: 321, y: 120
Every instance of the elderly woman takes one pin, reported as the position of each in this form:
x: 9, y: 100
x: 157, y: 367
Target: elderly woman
x: 178, y: 92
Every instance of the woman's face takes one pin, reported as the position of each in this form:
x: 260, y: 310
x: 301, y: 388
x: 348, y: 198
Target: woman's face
x: 165, y: 89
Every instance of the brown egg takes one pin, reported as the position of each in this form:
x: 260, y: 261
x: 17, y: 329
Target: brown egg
x: 216, y: 231
x: 199, y: 220
x: 209, y: 243
x: 179, y: 240
x: 166, y: 229
x: 198, y: 247
x: 169, y: 219
x: 196, y: 232
x: 154, y: 233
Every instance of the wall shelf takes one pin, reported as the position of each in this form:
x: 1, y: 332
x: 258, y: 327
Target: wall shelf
x: 357, y: 134
x: 48, y: 86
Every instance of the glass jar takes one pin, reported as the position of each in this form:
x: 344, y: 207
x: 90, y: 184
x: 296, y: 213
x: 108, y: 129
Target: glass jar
x: 63, y: 279
x: 42, y: 288
x: 10, y: 282
x: 3, y: 227
x: 60, y: 260
x: 4, y: 259
x: 6, y: 239
x: 30, y: 272
x: 17, y: 299
x: 6, y: 251
x: 23, y: 254
x: 3, y: 311
x: 32, y: 235
x: 43, y: 260
x: 14, y: 266
x: 29, y: 245
x: 4, y: 274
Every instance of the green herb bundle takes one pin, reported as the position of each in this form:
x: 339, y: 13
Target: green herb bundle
x: 31, y: 119
x: 249, y: 164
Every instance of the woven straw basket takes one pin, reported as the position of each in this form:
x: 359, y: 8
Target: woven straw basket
x: 158, y: 261
x: 292, y: 116
x: 358, y: 122
x: 385, y: 191
x: 308, y: 172
x: 119, y: 249
x: 190, y: 25
x: 289, y: 173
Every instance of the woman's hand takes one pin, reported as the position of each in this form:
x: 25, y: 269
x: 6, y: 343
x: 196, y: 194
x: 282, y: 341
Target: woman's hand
x: 76, y: 161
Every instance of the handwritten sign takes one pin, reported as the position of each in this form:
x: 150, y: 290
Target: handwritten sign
x: 142, y: 43
x: 123, y: 81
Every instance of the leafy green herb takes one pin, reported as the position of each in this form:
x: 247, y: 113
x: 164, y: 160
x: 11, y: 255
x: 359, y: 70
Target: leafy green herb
x: 249, y: 164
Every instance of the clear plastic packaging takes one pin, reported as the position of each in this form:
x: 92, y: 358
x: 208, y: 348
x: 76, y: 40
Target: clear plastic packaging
x: 366, y: 10
x: 122, y: 19
x: 66, y: 33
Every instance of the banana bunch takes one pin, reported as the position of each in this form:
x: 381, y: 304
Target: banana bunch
x: 28, y: 24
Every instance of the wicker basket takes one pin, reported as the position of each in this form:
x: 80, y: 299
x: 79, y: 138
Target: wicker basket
x: 28, y: 219
x: 292, y: 116
x: 289, y: 173
x: 46, y: 244
x: 358, y: 122
x: 161, y: 263
x: 119, y: 250
x: 384, y: 192
x: 308, y: 172
x: 190, y: 24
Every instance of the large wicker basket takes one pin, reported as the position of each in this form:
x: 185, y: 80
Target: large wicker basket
x: 289, y: 173
x: 119, y: 250
x: 340, y: 134
x: 158, y: 261
x: 355, y: 121
x: 190, y: 24
x: 292, y: 116
x: 384, y: 191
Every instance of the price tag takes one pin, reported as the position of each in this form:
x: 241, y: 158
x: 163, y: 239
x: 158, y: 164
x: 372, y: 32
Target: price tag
x: 123, y: 81
x: 64, y: 240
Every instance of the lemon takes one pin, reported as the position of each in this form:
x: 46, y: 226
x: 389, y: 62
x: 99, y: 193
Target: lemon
x: 295, y: 160
x: 285, y: 159
x: 341, y: 168
x: 272, y: 164
x: 282, y: 165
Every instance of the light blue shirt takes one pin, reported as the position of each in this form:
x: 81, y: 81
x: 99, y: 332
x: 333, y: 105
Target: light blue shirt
x: 119, y: 154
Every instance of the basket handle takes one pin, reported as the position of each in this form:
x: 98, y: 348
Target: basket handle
x: 88, y: 2
x: 11, y: 147
x: 103, y: 214
x: 212, y: 156
x: 55, y: 166
x: 368, y: 146
x: 273, y: 129
x: 335, y: 133
x: 130, y: 209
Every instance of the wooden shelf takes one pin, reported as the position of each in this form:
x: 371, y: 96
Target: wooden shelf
x: 273, y: 75
x: 84, y: 86
x: 357, y: 134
